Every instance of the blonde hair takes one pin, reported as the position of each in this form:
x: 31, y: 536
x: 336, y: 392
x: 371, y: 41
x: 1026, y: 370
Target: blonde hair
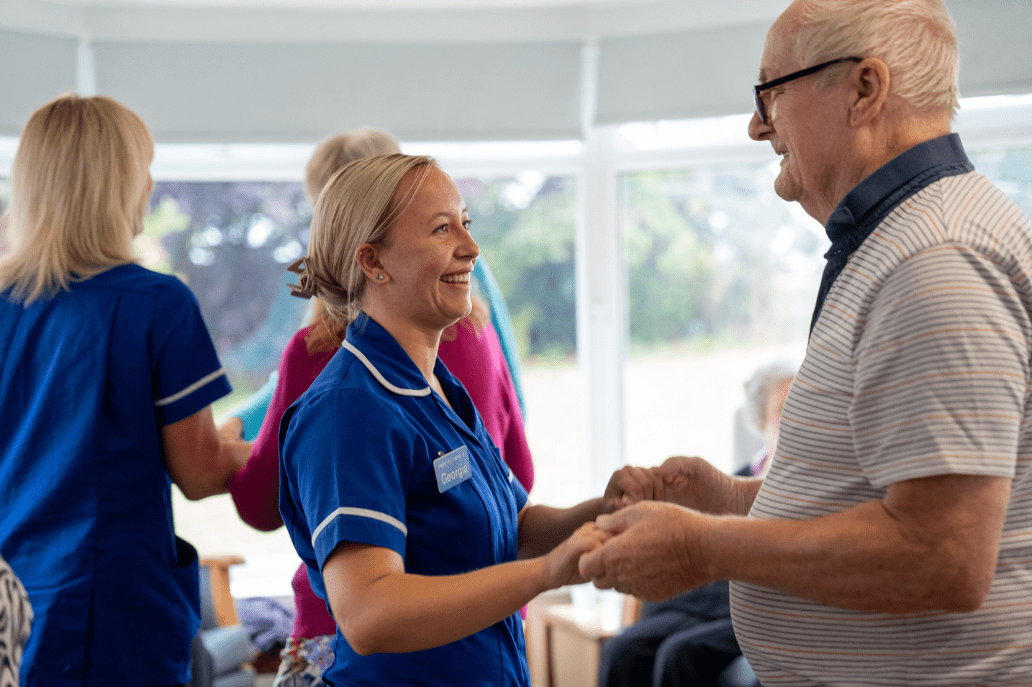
x: 338, y: 150
x: 917, y: 39
x: 79, y: 192
x: 357, y: 206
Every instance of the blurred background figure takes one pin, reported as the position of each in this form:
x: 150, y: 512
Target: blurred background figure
x: 765, y: 393
x: 107, y: 378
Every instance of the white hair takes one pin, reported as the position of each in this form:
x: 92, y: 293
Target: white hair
x: 917, y: 39
x: 760, y: 386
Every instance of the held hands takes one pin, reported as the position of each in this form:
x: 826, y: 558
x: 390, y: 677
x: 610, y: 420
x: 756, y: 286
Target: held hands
x: 689, y: 482
x: 630, y: 485
x: 232, y: 429
x: 561, y: 564
x: 231, y: 436
x: 651, y: 550
x: 694, y: 483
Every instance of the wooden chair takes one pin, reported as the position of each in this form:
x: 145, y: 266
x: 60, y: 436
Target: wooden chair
x: 222, y: 601
x: 222, y: 651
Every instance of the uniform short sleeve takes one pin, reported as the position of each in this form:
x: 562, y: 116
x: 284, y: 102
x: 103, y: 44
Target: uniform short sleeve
x: 186, y: 373
x: 345, y: 469
x: 518, y: 492
x: 941, y: 370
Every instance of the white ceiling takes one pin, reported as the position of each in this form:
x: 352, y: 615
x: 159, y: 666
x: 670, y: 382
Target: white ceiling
x: 428, y: 21
x: 385, y: 5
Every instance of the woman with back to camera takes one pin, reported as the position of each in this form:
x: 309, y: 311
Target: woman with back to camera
x: 106, y: 378
x: 394, y: 496
x: 470, y: 349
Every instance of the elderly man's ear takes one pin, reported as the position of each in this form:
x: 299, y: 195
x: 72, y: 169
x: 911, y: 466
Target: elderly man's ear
x: 869, y: 91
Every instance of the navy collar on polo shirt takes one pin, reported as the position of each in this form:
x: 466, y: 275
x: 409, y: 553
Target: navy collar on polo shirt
x: 875, y: 197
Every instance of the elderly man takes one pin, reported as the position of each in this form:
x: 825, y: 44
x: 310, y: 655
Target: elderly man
x: 891, y: 541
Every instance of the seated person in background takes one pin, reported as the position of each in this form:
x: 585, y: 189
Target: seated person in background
x: 415, y: 532
x: 470, y: 349
x: 766, y: 391
x: 688, y: 639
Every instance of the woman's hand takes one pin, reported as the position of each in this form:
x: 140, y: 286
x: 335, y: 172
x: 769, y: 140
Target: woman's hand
x: 560, y: 565
x: 652, y: 552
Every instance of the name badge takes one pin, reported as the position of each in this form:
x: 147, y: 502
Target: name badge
x: 452, y: 469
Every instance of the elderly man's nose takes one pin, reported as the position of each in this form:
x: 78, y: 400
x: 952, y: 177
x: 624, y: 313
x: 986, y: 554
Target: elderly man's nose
x: 759, y: 131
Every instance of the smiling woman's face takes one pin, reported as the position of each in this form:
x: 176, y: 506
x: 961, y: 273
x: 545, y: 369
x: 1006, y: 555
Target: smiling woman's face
x: 429, y: 254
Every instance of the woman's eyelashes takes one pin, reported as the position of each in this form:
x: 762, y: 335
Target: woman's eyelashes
x: 466, y: 223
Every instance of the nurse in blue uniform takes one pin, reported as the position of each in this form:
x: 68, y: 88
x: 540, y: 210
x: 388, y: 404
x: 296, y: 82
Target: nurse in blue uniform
x: 106, y: 376
x: 412, y: 527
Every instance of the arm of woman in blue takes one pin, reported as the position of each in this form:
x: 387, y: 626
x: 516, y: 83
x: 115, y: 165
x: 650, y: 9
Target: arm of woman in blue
x: 382, y: 609
x: 200, y: 459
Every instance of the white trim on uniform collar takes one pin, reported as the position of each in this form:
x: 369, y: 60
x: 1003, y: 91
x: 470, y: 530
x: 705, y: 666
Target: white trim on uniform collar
x: 380, y: 378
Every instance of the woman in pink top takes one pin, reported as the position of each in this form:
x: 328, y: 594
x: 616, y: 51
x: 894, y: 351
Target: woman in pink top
x: 471, y: 351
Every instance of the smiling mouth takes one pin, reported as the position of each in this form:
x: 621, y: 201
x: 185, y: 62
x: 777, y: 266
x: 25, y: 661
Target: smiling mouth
x: 462, y: 278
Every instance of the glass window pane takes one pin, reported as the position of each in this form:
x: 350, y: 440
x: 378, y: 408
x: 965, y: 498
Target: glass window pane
x: 1010, y: 168
x: 722, y: 278
x: 525, y: 226
x: 231, y: 242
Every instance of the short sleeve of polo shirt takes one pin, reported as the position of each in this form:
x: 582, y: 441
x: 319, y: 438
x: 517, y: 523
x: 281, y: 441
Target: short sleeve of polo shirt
x: 941, y: 370
x: 347, y: 458
x: 186, y: 373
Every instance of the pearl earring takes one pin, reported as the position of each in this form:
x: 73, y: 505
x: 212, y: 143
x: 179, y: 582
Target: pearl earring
x: 379, y: 277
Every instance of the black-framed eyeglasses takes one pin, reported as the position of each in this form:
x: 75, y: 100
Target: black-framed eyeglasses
x: 761, y: 109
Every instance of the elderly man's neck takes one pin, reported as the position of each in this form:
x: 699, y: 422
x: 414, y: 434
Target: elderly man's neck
x: 878, y: 143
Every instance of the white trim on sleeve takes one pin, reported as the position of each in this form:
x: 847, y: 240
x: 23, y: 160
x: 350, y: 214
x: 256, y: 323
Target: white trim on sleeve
x: 362, y: 513
x: 190, y: 389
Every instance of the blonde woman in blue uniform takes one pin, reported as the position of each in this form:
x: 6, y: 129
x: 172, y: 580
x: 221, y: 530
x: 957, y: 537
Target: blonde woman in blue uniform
x: 412, y: 527
x: 107, y: 373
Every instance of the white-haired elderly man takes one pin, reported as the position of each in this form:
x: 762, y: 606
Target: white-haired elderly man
x: 891, y: 541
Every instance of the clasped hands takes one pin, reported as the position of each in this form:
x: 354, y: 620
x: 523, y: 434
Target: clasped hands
x: 648, y: 541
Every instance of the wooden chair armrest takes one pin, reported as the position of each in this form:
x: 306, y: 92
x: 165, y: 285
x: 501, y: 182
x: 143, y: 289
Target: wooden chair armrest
x: 222, y: 600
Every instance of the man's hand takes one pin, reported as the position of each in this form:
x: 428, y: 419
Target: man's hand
x: 694, y: 483
x: 630, y: 485
x: 653, y: 553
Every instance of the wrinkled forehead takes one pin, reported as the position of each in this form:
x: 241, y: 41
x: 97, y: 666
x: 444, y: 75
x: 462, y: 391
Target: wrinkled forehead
x: 778, y: 57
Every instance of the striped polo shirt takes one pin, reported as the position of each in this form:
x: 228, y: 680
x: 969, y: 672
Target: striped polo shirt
x: 918, y: 364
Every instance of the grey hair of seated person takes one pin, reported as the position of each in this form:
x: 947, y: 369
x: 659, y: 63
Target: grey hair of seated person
x: 761, y: 385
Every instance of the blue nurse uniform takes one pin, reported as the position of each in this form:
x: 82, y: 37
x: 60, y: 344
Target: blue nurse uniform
x: 358, y: 454
x: 87, y: 380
